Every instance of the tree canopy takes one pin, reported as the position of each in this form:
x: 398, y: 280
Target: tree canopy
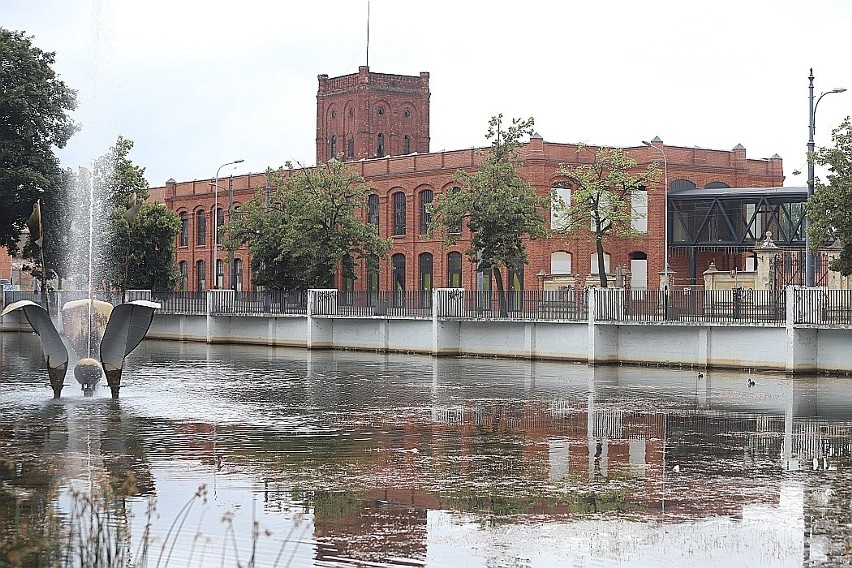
x: 829, y: 209
x: 498, y: 206
x: 309, y: 228
x: 602, y: 202
x: 34, y: 104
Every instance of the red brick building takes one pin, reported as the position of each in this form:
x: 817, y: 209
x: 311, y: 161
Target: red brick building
x: 380, y: 123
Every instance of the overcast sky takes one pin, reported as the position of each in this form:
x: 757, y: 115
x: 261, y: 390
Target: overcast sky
x: 196, y: 84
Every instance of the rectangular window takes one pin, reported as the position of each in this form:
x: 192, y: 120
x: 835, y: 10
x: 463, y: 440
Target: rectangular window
x: 594, y: 263
x: 639, y: 211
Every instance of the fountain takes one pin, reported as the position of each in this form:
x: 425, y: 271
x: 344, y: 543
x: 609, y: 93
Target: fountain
x: 89, y: 325
x: 125, y: 328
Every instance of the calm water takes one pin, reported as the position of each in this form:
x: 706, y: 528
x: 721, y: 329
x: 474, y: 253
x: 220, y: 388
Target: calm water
x: 354, y: 459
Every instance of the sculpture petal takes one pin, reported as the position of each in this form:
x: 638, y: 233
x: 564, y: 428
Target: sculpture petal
x: 126, y: 328
x: 55, y: 353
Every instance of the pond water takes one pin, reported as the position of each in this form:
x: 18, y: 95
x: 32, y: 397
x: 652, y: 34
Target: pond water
x: 227, y: 455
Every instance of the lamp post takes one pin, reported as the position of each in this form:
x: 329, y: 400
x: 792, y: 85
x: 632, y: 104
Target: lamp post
x: 665, y: 212
x: 812, y: 107
x: 215, y: 251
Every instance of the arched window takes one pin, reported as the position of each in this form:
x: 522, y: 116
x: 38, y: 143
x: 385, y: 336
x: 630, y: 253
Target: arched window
x: 680, y: 185
x: 200, y: 276
x: 380, y: 145
x: 406, y: 144
x: 398, y: 262
x: 332, y: 148
x: 560, y: 263
x: 200, y: 228
x: 350, y: 147
x: 456, y: 229
x: 220, y: 273
x: 516, y: 287
x: 184, y: 229
x: 454, y: 270
x: 373, y: 210
x: 399, y: 213
x: 561, y: 199
x: 372, y: 280
x: 716, y: 185
x: 184, y: 275
x: 220, y: 222
x: 425, y: 200
x: 238, y: 275
x: 425, y: 280
x: 638, y: 270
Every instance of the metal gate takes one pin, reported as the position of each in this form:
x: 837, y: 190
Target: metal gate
x: 788, y: 268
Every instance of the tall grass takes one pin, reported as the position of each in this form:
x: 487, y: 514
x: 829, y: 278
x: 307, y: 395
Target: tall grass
x: 97, y: 532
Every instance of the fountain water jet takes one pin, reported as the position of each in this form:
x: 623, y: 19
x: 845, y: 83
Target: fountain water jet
x: 89, y: 324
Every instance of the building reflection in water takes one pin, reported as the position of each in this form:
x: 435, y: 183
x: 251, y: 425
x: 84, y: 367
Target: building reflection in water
x: 397, y: 460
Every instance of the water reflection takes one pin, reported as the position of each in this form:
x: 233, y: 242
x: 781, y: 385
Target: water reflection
x: 351, y: 458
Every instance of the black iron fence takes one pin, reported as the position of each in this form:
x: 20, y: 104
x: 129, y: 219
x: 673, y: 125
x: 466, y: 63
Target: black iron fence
x: 181, y: 302
x: 399, y: 304
x: 703, y: 306
x: 519, y: 305
x: 274, y: 302
x: 768, y: 307
x: 824, y: 307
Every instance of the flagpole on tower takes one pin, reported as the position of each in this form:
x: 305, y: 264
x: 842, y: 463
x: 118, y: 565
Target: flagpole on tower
x: 368, y: 33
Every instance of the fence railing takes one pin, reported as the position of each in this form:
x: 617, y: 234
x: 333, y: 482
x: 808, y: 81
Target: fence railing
x: 193, y: 303
x: 268, y: 302
x: 399, y: 304
x: 824, y: 307
x: 524, y: 305
x: 703, y: 306
x: 815, y: 306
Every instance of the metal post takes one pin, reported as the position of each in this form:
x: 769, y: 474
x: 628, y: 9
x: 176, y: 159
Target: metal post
x: 812, y: 108
x: 809, y: 257
x: 214, y: 253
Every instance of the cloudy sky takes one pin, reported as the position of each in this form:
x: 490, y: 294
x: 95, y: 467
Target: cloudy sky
x: 197, y: 83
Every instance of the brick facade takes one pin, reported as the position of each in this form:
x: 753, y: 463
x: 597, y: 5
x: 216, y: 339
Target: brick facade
x: 412, y: 175
x: 363, y: 105
x: 372, y: 115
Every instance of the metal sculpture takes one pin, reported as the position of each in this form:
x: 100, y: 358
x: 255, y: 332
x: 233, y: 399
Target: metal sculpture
x: 126, y: 326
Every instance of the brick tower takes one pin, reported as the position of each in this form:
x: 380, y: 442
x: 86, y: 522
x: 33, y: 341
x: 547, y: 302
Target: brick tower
x: 371, y: 115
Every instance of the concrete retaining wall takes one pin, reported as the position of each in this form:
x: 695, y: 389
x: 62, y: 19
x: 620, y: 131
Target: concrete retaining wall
x: 792, y: 348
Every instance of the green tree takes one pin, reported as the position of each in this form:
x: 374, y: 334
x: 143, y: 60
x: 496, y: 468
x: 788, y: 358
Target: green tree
x: 151, y: 264
x: 311, y: 228
x: 601, y: 204
x: 33, y: 119
x: 829, y: 209
x: 498, y: 206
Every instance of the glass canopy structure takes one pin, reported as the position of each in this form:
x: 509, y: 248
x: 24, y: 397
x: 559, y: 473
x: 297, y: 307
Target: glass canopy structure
x: 734, y: 220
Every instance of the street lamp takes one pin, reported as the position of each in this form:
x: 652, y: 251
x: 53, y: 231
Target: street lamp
x: 665, y: 212
x: 809, y: 256
x: 215, y: 251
